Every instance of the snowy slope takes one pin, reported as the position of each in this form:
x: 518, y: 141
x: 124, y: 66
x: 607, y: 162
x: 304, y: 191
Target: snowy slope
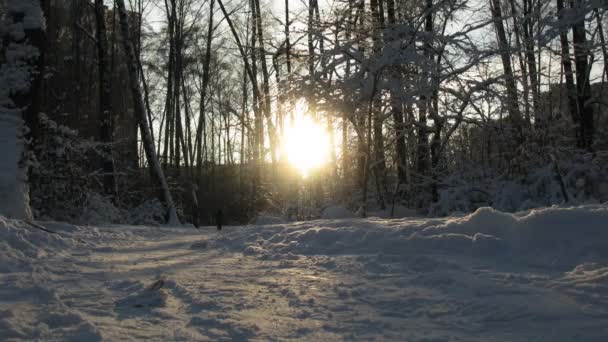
x: 540, y: 275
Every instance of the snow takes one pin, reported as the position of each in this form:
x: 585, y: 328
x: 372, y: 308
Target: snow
x: 15, y: 79
x: 540, y: 274
x: 33, y: 17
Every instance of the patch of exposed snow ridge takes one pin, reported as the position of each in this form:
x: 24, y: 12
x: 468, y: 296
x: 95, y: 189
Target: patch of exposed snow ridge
x: 556, y: 233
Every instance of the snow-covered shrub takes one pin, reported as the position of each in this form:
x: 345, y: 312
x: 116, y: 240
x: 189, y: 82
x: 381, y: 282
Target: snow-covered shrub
x: 585, y: 181
x: 66, y: 183
x: 150, y: 212
x: 62, y: 174
x: 98, y: 210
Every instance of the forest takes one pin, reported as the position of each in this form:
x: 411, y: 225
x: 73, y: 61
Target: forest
x: 423, y: 107
x: 310, y: 170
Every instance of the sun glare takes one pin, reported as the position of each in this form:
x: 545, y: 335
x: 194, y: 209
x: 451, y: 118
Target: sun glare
x: 305, y: 142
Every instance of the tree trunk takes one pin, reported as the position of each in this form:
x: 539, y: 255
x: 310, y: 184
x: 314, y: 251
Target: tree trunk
x: 203, y: 91
x: 531, y: 61
x: 600, y: 29
x: 140, y: 113
x: 581, y: 55
x: 258, y: 154
x: 361, y: 118
x: 379, y: 163
x: 287, y: 40
x: 105, y: 98
x: 522, y: 59
x: 311, y: 46
x: 272, y: 137
x: 568, y: 71
x: 422, y: 165
x: 396, y: 103
x: 504, y: 51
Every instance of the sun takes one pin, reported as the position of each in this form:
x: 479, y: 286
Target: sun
x: 305, y: 142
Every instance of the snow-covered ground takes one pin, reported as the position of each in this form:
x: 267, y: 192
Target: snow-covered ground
x: 540, y: 275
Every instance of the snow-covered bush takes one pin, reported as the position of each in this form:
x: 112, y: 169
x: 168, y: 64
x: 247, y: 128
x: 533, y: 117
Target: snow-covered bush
x: 66, y: 182
x: 99, y: 210
x: 585, y: 180
x: 150, y: 212
x: 62, y: 174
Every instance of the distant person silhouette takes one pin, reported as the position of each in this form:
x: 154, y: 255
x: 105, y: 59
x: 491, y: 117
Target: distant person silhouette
x: 218, y: 219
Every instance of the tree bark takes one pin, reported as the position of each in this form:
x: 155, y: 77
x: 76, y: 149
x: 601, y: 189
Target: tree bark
x: 504, y: 51
x: 105, y: 98
x: 272, y: 137
x: 568, y: 71
x: 140, y: 113
x: 531, y: 61
x: 203, y: 91
x: 379, y: 163
x: 581, y: 55
x: 422, y: 151
x: 396, y: 103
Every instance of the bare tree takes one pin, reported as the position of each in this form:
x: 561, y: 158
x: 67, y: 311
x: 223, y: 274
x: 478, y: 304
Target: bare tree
x: 105, y: 98
x: 504, y: 51
x: 140, y: 112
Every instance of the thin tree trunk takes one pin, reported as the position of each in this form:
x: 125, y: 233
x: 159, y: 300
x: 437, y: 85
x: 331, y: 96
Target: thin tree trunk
x: 258, y: 116
x: 600, y: 29
x: 581, y: 55
x: 568, y: 71
x: 203, y: 92
x: 531, y: 61
x: 139, y: 109
x: 266, y: 84
x: 379, y: 162
x: 105, y: 98
x: 310, y: 36
x: 504, y: 51
x: 396, y: 103
x: 522, y: 59
x: 422, y: 165
x: 287, y: 40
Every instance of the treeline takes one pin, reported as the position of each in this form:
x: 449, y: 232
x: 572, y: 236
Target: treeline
x: 426, y: 102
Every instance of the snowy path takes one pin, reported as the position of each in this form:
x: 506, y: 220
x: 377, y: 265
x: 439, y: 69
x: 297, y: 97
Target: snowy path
x: 215, y: 288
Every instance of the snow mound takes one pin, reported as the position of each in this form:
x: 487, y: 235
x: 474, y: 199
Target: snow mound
x: 21, y: 242
x: 552, y: 235
x: 336, y: 212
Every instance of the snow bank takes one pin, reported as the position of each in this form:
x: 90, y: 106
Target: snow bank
x: 23, y: 246
x: 21, y: 242
x: 553, y: 235
x: 585, y: 181
x: 99, y: 210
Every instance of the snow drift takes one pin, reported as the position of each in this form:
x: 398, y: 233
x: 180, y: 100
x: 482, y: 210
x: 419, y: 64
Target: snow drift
x: 555, y: 235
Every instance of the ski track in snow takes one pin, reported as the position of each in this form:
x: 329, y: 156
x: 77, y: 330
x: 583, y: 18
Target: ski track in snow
x: 322, y: 280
